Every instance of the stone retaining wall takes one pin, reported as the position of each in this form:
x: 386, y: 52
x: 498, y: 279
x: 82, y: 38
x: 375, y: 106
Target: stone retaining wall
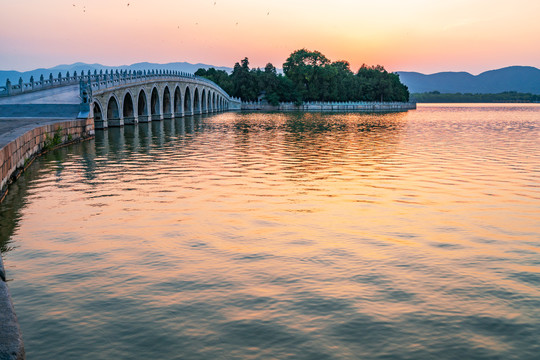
x: 332, y: 106
x: 14, y: 155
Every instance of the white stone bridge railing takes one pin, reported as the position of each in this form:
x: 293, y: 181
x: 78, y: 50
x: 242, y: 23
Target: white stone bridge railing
x: 98, y: 81
x: 109, y: 80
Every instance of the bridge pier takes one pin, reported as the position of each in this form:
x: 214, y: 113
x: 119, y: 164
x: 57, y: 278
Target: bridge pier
x: 130, y: 120
x: 116, y: 122
x: 100, y: 123
x: 144, y: 118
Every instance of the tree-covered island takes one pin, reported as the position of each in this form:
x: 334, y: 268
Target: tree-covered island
x: 309, y: 76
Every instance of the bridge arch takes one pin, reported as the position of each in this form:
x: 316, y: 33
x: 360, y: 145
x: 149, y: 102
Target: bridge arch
x: 128, y: 110
x: 177, y: 103
x: 154, y: 98
x: 98, y: 114
x: 196, y: 102
x: 204, y: 106
x: 188, y: 110
x: 142, y: 106
x: 155, y: 109
x: 167, y: 111
x: 113, y: 110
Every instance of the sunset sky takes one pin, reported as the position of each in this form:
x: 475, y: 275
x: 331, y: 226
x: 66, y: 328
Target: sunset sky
x: 415, y: 35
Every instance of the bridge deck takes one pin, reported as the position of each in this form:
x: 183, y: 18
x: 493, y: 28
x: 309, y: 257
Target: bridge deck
x: 61, y: 95
x: 21, y: 113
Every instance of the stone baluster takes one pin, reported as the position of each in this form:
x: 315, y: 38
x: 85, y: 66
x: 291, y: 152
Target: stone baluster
x: 8, y: 87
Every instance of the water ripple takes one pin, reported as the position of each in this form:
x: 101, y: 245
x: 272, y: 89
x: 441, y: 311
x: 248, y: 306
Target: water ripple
x: 284, y: 236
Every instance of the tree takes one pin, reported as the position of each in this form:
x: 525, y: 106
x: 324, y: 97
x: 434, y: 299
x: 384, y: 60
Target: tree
x: 309, y: 76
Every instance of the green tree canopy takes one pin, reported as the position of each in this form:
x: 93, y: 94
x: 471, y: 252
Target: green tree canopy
x: 310, y: 76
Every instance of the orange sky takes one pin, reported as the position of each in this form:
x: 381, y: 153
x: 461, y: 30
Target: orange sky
x: 416, y: 35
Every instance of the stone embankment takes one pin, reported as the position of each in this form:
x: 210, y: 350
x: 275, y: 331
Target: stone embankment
x: 22, y: 145
x: 17, y: 153
x: 350, y: 106
x: 11, y: 343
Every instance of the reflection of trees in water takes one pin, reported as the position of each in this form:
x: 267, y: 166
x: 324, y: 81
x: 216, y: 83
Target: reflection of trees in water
x: 316, y: 142
x: 311, y: 143
x: 304, y: 145
x: 10, y: 209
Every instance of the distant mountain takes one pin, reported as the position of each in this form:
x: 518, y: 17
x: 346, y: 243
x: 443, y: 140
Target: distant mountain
x: 525, y: 79
x: 14, y: 76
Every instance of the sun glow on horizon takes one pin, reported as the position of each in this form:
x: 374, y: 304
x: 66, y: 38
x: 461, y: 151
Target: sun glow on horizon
x: 415, y: 35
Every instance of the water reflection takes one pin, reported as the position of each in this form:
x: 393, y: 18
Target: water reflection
x: 284, y: 236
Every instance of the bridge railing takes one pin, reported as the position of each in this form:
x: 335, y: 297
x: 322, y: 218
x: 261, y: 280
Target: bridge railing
x: 108, y: 80
x: 334, y: 105
x: 99, y: 81
x: 35, y: 85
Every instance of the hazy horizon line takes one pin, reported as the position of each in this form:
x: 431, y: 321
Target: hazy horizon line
x: 475, y: 73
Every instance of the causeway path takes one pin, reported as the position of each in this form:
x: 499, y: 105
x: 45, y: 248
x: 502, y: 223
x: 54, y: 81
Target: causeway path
x: 21, y: 113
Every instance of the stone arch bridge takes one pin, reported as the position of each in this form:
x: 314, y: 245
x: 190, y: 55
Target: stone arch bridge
x: 128, y: 98
x: 117, y: 98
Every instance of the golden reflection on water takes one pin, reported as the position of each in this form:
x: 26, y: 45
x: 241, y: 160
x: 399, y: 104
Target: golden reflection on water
x: 285, y: 236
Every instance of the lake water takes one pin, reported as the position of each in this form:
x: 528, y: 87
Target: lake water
x: 284, y: 236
